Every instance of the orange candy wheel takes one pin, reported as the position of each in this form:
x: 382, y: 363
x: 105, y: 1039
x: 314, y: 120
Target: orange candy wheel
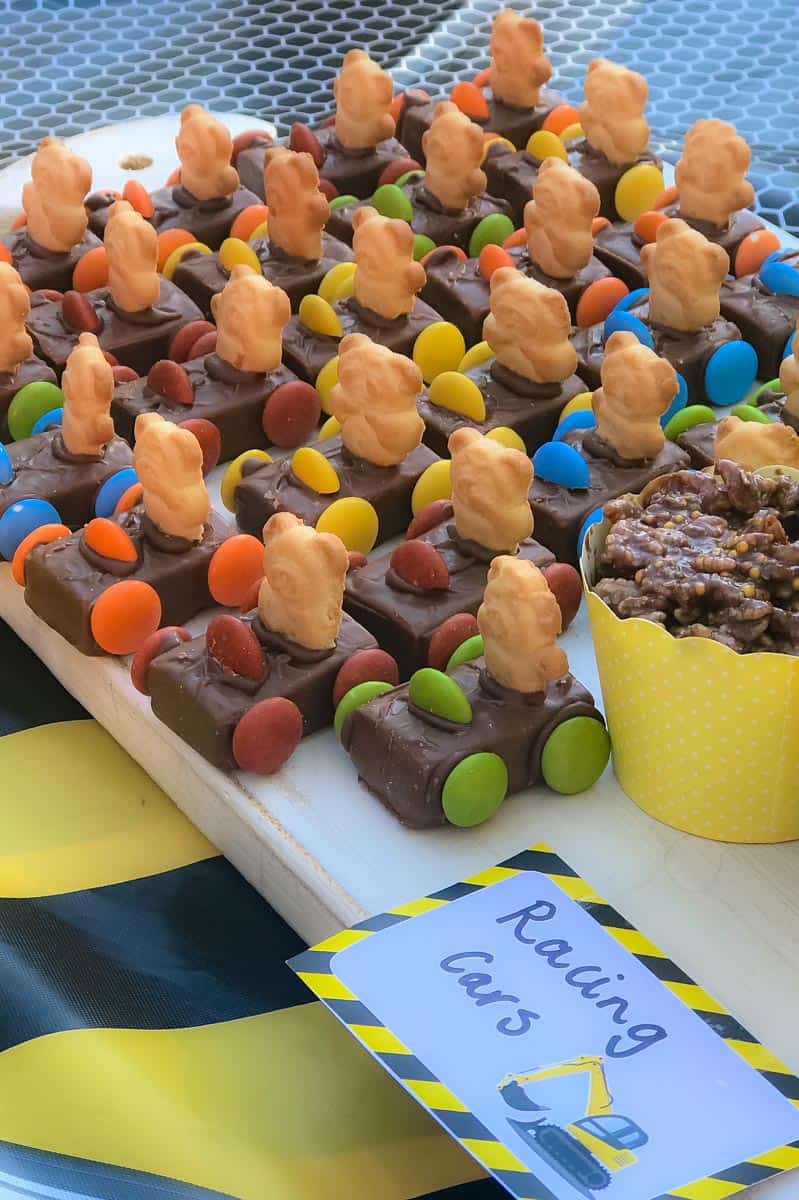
x: 91, y: 270
x: 560, y: 118
x: 481, y: 79
x: 106, y: 538
x: 5, y: 254
x: 19, y: 220
x: 470, y: 100
x: 235, y: 567
x: 597, y: 224
x: 138, y: 197
x: 129, y: 498
x: 45, y: 533
x: 457, y: 251
x: 169, y: 241
x: 517, y: 238
x: 124, y: 615
x: 491, y: 259
x: 599, y: 299
x: 668, y: 196
x: 248, y: 220
x: 173, y: 177
x: 754, y: 249
x: 647, y: 225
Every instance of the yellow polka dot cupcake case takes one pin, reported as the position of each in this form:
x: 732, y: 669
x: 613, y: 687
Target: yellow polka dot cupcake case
x: 704, y: 739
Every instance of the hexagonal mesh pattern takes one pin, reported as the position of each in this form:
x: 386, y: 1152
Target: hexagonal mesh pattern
x: 70, y: 65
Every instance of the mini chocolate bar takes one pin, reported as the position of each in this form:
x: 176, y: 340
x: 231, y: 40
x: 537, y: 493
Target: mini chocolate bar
x: 31, y: 370
x: 291, y: 648
x: 625, y: 449
x: 448, y: 748
x: 207, y: 198
x: 352, y: 149
x: 384, y: 305
x: 166, y: 543
x: 490, y: 516
x: 449, y: 202
x: 712, y: 197
x: 765, y: 307
x: 47, y: 248
x: 253, y: 403
x: 377, y: 457
x: 528, y: 383
x: 18, y: 365
x: 135, y: 317
x: 298, y: 252
x: 509, y: 99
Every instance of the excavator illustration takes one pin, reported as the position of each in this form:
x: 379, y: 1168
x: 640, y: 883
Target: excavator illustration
x: 587, y: 1150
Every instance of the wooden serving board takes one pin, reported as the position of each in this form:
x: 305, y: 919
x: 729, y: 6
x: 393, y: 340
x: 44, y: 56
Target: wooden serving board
x: 325, y: 853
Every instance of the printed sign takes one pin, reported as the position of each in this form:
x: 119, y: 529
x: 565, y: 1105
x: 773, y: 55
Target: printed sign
x: 558, y: 1044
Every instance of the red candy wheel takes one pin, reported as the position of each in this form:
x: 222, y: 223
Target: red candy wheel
x: 267, y: 735
x: 210, y: 439
x: 365, y: 666
x: 157, y: 643
x: 236, y: 567
x: 125, y: 615
x: 291, y: 413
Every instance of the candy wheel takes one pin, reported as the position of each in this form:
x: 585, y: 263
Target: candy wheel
x: 236, y: 567
x: 291, y: 413
x: 575, y: 754
x: 354, y: 698
x: 730, y: 372
x: 125, y: 615
x: 21, y: 519
x: 112, y: 491
x: 267, y: 735
x: 474, y: 789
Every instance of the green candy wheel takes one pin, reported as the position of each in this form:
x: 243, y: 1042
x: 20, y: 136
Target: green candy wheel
x: 467, y: 651
x: 575, y: 754
x: 474, y: 789
x: 362, y: 693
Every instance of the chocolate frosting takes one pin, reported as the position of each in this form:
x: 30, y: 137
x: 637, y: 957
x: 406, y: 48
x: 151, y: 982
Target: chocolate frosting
x: 277, y: 643
x: 183, y: 197
x: 522, y: 385
x: 60, y: 452
x: 596, y: 446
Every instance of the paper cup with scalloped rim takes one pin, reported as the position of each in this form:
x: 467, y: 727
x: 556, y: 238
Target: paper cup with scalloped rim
x: 704, y: 739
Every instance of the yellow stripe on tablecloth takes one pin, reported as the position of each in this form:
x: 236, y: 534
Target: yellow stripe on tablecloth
x: 784, y: 1158
x: 84, y: 814
x: 708, y: 1189
x: 285, y: 1104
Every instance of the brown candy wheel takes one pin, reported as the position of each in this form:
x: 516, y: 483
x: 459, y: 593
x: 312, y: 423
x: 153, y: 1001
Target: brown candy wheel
x: 157, y: 643
x: 204, y: 345
x: 304, y: 141
x: 450, y: 634
x: 124, y: 375
x: 185, y: 338
x: 565, y: 584
x: 210, y: 440
x: 267, y: 735
x: 365, y: 666
x: 434, y: 513
x: 78, y: 313
x: 170, y: 380
x: 232, y: 643
x: 291, y: 413
x: 420, y: 564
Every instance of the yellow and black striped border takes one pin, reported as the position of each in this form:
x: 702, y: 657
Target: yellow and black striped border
x: 314, y: 967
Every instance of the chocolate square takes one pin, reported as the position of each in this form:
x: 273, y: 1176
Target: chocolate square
x: 620, y: 248
x: 174, y: 208
x: 40, y: 268
x: 458, y: 290
x: 515, y: 124
x: 688, y: 353
x: 269, y: 488
x: 765, y: 319
x: 559, y: 512
x: 203, y: 704
x: 441, y: 225
x: 43, y: 469
x: 531, y: 409
x: 62, y: 583
x: 249, y: 162
x: 202, y: 276
x: 32, y: 370
x: 352, y: 172
x: 232, y: 400
x: 404, y: 619
x: 306, y: 352
x: 137, y: 340
x: 404, y: 759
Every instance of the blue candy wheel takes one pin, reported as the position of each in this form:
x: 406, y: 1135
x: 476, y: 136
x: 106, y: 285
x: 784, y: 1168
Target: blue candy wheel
x: 48, y: 420
x: 22, y: 518
x: 6, y: 467
x: 592, y: 519
x: 730, y: 372
x: 620, y: 319
x: 112, y: 491
x: 631, y: 299
x: 678, y: 403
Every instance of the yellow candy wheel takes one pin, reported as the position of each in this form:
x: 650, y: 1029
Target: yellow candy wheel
x: 234, y: 252
x: 232, y: 476
x: 315, y: 471
x: 507, y: 437
x: 479, y: 353
x: 497, y: 140
x: 319, y: 316
x: 546, y: 144
x: 260, y: 231
x: 177, y: 256
x: 576, y: 404
x: 571, y: 132
x: 637, y: 190
x: 433, y: 484
x: 459, y: 394
x: 438, y: 348
x: 353, y: 520
x: 338, y: 283
x: 329, y: 429
x: 326, y: 380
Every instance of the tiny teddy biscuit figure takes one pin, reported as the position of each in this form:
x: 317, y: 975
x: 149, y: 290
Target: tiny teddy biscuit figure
x: 16, y: 344
x: 490, y: 483
x: 250, y: 313
x: 297, y: 209
x: 453, y: 147
x: 375, y: 401
x: 558, y: 220
x: 303, y: 585
x: 612, y: 114
x: 789, y: 378
x: 169, y: 463
x: 528, y: 328
x: 132, y: 248
x: 637, y: 389
x: 88, y: 386
x: 710, y: 175
x: 685, y: 272
x: 204, y: 147
x: 386, y: 276
x: 520, y: 620
x: 519, y: 68
x: 56, y: 217
x: 753, y: 444
x: 363, y: 94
